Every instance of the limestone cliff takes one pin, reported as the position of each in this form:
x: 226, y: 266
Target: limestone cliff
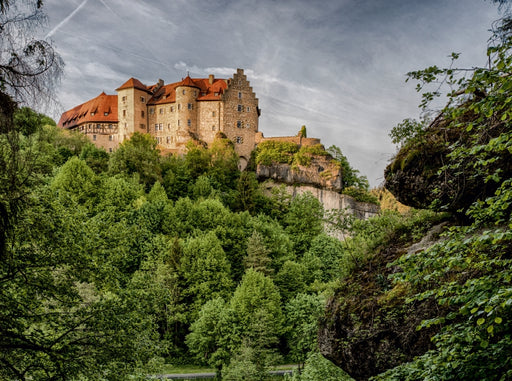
x: 321, y: 173
x: 322, y: 178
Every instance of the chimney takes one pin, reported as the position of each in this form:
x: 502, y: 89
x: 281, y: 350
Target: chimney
x: 210, y: 79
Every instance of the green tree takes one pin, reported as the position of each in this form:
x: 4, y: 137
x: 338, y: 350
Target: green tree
x: 304, y: 221
x: 290, y: 279
x: 302, y: 314
x: 205, y: 270
x: 330, y: 253
x: 351, y: 176
x: 257, y: 314
x: 207, y: 334
x: 95, y: 157
x: 138, y: 155
x: 77, y: 181
x: 258, y: 255
x: 318, y: 367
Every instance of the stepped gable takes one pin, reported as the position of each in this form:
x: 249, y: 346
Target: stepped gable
x: 210, y: 89
x: 102, y: 109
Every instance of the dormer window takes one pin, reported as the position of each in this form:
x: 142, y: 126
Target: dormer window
x: 92, y: 113
x: 105, y: 113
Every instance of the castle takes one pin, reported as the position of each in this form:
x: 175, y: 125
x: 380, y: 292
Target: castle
x: 192, y: 109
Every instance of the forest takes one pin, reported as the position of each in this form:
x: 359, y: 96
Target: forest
x: 114, y: 266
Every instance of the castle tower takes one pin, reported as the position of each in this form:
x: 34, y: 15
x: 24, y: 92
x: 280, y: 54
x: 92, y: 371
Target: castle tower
x: 241, y: 113
x: 186, y: 103
x: 132, y: 97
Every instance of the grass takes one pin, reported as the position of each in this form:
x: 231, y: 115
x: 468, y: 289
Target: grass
x: 185, y: 369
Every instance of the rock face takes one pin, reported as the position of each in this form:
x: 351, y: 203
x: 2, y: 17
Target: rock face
x: 424, y: 171
x: 321, y: 173
x: 367, y: 327
x: 332, y: 200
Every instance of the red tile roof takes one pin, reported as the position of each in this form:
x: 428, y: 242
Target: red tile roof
x: 133, y: 83
x: 93, y: 111
x: 102, y: 109
x: 207, y: 91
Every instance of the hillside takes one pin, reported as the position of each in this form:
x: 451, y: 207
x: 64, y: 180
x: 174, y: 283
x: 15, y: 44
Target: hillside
x: 430, y: 297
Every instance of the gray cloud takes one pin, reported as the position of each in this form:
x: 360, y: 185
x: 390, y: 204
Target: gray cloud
x: 337, y: 66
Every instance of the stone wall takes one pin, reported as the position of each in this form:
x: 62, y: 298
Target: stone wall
x: 299, y: 140
x: 331, y: 199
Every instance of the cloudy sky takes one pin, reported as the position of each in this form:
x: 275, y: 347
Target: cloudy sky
x: 336, y: 66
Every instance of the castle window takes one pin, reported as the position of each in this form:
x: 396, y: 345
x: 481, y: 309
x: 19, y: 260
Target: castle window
x: 94, y: 137
x: 124, y: 99
x: 190, y: 106
x: 151, y: 111
x: 247, y: 109
x: 168, y: 139
x: 110, y: 149
x: 160, y: 127
x: 111, y: 137
x: 179, y: 106
x: 240, y: 108
x: 239, y: 140
x: 178, y: 123
x: 213, y: 113
x: 195, y: 93
x: 213, y: 127
x: 98, y: 126
x: 162, y: 110
x: 169, y: 127
x: 183, y: 92
x: 142, y: 99
x: 172, y: 108
x: 110, y: 126
x: 142, y: 114
x: 239, y: 124
x: 156, y: 127
x: 239, y: 95
x: 142, y: 125
x: 189, y: 122
x: 247, y: 125
x: 124, y: 112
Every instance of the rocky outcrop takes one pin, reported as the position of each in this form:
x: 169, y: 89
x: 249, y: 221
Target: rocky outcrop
x: 367, y: 326
x: 331, y: 199
x: 426, y: 174
x: 321, y: 173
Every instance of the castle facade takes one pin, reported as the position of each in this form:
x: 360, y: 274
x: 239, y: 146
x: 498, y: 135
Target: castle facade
x: 192, y: 109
